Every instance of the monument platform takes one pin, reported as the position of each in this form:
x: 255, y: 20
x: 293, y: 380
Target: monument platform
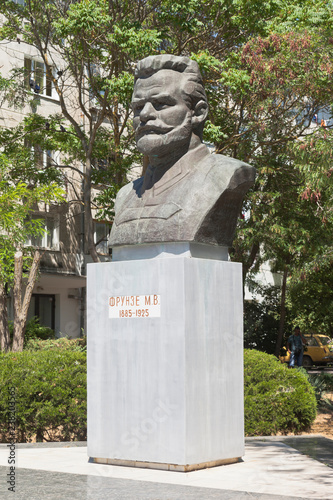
x: 165, y: 361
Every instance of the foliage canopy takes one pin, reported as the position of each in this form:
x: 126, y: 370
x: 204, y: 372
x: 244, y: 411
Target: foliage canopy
x: 267, y: 69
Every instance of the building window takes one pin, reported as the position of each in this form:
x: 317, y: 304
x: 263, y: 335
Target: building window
x: 101, y: 234
x: 43, y: 306
x: 104, y: 163
x: 36, y: 78
x: 42, y: 158
x: 50, y: 238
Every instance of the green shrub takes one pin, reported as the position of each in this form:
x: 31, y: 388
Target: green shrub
x: 34, y: 330
x: 50, y: 392
x: 277, y: 399
x: 322, y: 383
x: 63, y: 343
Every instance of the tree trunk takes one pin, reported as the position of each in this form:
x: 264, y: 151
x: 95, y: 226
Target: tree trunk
x: 39, y: 435
x: 282, y: 311
x: 4, y: 330
x: 249, y: 261
x: 21, y: 306
x: 17, y: 301
x: 90, y: 247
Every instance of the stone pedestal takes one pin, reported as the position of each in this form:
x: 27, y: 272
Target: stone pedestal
x: 165, y: 378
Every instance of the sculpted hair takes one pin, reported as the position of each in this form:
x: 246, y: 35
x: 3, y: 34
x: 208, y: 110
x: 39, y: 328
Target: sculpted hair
x: 193, y: 85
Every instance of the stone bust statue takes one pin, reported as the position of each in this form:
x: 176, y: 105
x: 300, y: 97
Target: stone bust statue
x: 187, y: 194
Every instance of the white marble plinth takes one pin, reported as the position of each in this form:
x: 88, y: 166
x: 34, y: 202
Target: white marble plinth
x: 169, y: 249
x: 166, y: 391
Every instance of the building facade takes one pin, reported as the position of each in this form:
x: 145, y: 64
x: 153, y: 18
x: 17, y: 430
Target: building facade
x: 58, y: 298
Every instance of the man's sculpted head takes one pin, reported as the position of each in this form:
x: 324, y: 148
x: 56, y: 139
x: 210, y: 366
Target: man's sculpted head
x: 169, y: 104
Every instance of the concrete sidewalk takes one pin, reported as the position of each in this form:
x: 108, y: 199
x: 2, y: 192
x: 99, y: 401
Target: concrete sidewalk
x: 272, y: 468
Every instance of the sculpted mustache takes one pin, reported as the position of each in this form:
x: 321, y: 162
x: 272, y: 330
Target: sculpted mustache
x: 159, y: 129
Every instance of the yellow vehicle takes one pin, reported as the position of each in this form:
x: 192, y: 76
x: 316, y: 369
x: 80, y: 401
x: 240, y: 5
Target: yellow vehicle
x: 318, y: 350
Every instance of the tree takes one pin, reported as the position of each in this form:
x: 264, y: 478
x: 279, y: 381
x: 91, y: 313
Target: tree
x: 267, y: 69
x: 97, y: 42
x: 284, y: 226
x: 88, y: 49
x: 310, y: 297
x: 17, y: 200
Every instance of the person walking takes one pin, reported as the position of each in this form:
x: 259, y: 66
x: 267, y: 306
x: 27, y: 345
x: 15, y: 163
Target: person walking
x: 295, y: 346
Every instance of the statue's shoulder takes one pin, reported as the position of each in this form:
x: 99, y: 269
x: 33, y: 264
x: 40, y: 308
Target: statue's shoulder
x: 230, y: 164
x: 127, y: 190
x: 227, y: 168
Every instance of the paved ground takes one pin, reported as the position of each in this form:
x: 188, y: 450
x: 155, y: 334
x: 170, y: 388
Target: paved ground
x: 317, y: 447
x: 272, y: 469
x: 41, y: 485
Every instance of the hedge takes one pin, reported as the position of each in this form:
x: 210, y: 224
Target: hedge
x: 47, y: 390
x: 277, y: 399
x: 63, y: 343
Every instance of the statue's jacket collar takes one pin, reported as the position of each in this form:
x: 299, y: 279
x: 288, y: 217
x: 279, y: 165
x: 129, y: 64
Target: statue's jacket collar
x: 156, y: 202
